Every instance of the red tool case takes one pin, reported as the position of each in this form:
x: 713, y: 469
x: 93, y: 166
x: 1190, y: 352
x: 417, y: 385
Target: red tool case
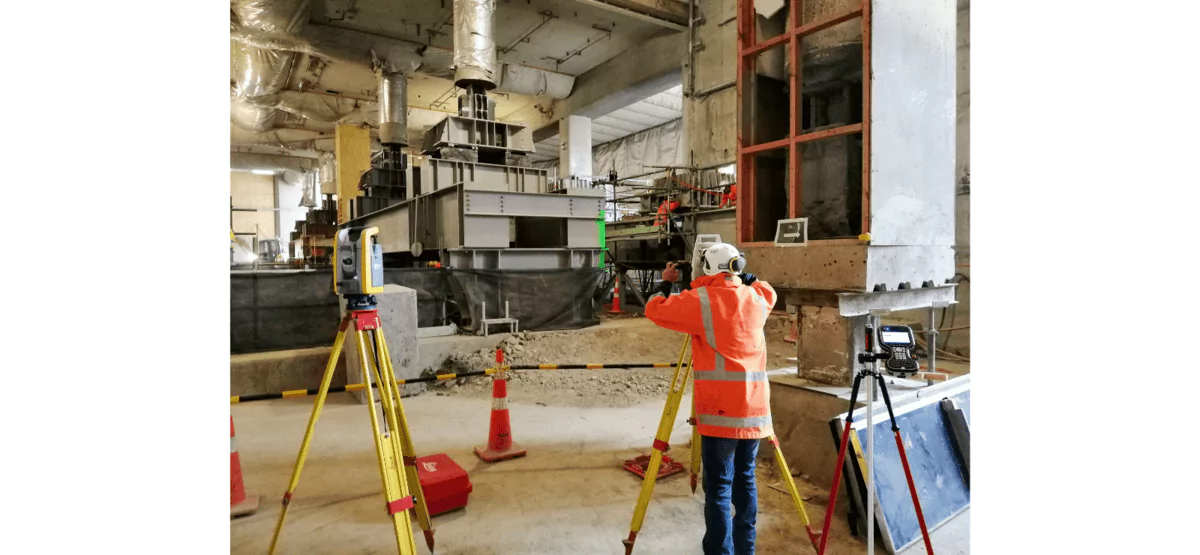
x: 444, y: 483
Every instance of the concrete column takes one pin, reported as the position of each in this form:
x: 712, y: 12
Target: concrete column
x: 398, y: 313
x: 575, y: 147
x: 826, y: 341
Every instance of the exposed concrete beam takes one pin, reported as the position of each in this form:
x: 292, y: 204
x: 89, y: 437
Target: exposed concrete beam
x: 253, y: 148
x: 642, y: 71
x: 668, y: 13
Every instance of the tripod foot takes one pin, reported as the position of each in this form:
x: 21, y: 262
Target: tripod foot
x: 629, y: 542
x: 429, y: 539
x: 693, y: 484
x: 814, y: 537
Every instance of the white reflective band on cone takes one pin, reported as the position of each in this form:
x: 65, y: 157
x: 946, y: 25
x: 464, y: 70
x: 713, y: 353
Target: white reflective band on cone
x: 500, y: 403
x: 233, y: 445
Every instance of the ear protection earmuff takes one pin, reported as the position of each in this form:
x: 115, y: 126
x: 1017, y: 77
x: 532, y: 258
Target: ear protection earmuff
x: 737, y: 263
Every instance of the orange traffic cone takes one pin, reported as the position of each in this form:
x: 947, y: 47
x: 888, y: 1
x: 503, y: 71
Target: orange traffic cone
x: 616, y: 306
x: 500, y: 446
x: 239, y: 502
x: 793, y: 333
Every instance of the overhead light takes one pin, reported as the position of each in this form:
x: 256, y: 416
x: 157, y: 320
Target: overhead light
x: 263, y: 172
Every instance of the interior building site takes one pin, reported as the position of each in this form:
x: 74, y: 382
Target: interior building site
x: 600, y: 277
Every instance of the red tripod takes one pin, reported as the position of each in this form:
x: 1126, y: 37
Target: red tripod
x: 837, y: 474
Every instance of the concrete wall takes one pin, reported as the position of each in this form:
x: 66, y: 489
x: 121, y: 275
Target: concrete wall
x: 710, y: 121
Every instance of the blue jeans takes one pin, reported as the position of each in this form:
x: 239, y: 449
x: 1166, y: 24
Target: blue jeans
x: 729, y: 477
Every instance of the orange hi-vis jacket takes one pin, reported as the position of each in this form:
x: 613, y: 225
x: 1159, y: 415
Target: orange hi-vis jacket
x: 729, y: 351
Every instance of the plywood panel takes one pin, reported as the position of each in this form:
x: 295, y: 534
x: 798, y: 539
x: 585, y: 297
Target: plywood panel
x: 352, y: 148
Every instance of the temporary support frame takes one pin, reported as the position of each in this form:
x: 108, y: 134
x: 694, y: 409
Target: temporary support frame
x: 748, y: 50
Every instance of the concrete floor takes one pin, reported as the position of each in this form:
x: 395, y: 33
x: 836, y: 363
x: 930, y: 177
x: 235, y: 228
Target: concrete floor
x: 567, y: 496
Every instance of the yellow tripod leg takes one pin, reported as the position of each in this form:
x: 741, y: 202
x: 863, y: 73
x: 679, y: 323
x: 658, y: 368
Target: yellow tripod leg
x: 338, y: 343
x: 406, y: 451
x: 660, y: 441
x: 389, y: 468
x: 791, y: 485
x: 695, y: 469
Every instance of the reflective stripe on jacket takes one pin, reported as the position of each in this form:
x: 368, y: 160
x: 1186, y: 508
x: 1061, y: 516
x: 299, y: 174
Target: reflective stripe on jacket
x: 729, y: 351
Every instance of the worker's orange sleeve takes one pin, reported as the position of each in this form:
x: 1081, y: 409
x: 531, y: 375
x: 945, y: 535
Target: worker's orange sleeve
x: 765, y: 290
x: 678, y: 312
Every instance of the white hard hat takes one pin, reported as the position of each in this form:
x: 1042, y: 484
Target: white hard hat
x: 723, y: 257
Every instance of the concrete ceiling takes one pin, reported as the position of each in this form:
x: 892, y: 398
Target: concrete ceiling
x: 639, y: 116
x: 565, y: 36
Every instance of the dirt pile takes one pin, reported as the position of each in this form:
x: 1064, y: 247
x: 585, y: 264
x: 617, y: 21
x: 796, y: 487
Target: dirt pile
x: 621, y: 340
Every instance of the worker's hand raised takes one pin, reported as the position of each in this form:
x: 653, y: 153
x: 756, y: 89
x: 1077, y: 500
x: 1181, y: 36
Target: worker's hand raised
x: 670, y: 273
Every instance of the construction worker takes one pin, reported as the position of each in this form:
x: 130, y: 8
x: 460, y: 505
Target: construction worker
x: 725, y: 312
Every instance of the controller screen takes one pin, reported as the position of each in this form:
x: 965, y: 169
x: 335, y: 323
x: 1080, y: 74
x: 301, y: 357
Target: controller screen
x: 895, y: 337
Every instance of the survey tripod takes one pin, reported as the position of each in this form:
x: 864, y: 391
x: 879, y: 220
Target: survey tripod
x: 660, y: 447
x: 896, y: 344
x: 358, y: 273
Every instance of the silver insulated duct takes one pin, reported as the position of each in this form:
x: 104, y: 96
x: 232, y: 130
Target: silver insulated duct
x: 475, y: 44
x: 262, y: 73
x: 393, y: 108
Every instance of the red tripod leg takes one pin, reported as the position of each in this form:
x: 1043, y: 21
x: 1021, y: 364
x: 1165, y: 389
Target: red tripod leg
x: 912, y: 487
x: 837, y: 470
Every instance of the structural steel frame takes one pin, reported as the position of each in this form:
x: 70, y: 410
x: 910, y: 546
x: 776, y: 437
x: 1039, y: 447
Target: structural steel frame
x: 748, y: 50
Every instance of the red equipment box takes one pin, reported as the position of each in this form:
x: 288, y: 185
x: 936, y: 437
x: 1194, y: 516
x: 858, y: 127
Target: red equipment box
x: 444, y: 483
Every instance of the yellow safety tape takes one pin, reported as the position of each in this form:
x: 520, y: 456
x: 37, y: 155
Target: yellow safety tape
x: 295, y: 393
x: 663, y: 365
x: 858, y: 450
x: 547, y: 366
x: 447, y: 376
x: 401, y: 382
x: 490, y: 371
x: 355, y: 386
x: 594, y: 366
x: 235, y: 399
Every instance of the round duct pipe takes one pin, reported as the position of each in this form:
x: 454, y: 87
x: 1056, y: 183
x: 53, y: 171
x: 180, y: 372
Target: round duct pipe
x: 393, y: 108
x: 475, y: 44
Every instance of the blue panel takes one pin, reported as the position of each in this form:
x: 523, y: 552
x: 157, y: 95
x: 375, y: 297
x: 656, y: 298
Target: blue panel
x: 941, y: 486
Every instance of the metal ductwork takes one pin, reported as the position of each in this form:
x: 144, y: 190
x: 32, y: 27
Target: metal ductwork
x: 260, y: 72
x: 393, y: 108
x: 367, y: 50
x: 475, y: 44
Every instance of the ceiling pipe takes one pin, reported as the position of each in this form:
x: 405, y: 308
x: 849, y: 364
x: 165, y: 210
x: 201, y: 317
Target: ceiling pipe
x: 368, y: 50
x: 393, y: 108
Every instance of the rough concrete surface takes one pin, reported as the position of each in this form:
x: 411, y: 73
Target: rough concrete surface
x: 397, y: 306
x: 568, y: 495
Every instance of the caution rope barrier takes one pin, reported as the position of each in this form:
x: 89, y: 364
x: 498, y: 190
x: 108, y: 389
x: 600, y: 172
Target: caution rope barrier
x: 236, y: 399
